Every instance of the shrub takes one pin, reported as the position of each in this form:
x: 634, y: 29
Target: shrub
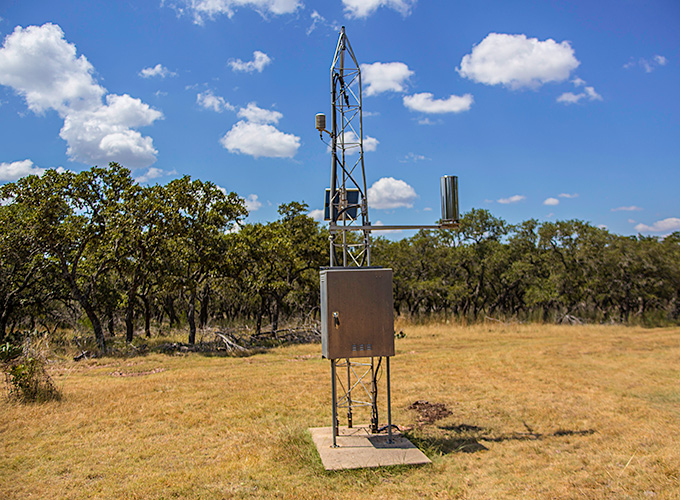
x: 25, y: 372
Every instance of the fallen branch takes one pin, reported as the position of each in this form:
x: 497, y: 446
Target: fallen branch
x: 230, y: 343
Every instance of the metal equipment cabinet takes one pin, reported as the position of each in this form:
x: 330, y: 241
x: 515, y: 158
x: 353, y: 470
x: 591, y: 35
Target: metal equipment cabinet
x: 356, y: 313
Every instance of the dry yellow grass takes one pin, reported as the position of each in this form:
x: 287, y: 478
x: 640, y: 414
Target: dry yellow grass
x: 543, y: 412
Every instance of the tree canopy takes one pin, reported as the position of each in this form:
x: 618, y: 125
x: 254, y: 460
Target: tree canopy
x: 95, y: 250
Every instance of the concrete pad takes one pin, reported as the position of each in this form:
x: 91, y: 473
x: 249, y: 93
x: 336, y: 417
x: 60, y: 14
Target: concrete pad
x: 358, y: 449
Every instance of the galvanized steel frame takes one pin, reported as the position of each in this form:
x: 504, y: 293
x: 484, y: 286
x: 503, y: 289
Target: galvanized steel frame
x: 347, y: 173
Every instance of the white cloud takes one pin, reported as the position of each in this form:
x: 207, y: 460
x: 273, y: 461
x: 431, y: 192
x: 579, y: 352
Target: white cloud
x: 512, y: 199
x: 104, y: 133
x: 316, y: 214
x: 258, y: 115
x: 351, y: 142
x: 252, y: 203
x: 260, y: 60
x: 255, y: 136
x: 670, y: 224
x: 42, y: 67
x: 551, y: 201
x: 319, y: 20
x: 388, y: 193
x: 648, y: 65
x: 384, y: 77
x: 567, y: 195
x: 588, y: 93
x: 259, y: 139
x: 412, y: 157
x: 425, y: 103
x: 660, y: 60
x: 631, y: 208
x: 386, y: 231
x: 202, y: 9
x: 157, y: 70
x: 10, y: 172
x: 517, y: 61
x: 570, y: 98
x: 153, y: 173
x: 208, y: 100
x: 427, y: 121
x: 364, y: 8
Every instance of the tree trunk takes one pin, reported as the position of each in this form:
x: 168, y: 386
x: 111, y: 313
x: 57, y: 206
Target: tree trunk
x: 129, y: 319
x: 260, y: 313
x: 204, y: 300
x: 275, y: 315
x: 191, y: 317
x: 94, y: 319
x: 110, y: 324
x: 4, y: 316
x: 147, y: 315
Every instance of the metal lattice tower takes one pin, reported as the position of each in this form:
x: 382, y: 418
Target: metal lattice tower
x: 348, y: 197
x: 349, y: 227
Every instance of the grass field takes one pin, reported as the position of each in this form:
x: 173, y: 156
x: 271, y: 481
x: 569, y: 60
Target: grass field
x: 537, y: 412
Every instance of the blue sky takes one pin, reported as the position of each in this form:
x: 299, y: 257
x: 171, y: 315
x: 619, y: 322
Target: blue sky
x: 544, y: 109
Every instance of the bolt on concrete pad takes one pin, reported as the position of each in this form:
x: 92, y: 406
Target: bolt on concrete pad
x: 358, y: 449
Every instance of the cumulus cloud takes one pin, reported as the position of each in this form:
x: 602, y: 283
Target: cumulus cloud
x: 10, y: 172
x: 389, y: 193
x: 104, y: 133
x: 202, y: 9
x: 518, y: 62
x: 42, y: 67
x: 351, y: 142
x: 648, y: 65
x: 567, y: 195
x: 317, y: 214
x: 319, y: 20
x: 210, y: 101
x: 364, y: 8
x: 254, y: 114
x: 260, y: 60
x: 386, y: 231
x: 631, y: 208
x: 157, y: 70
x: 512, y: 199
x: 551, y: 201
x: 425, y: 103
x: 666, y: 225
x: 385, y: 77
x: 258, y: 139
x: 255, y: 136
x: 252, y: 203
x: 153, y: 173
x: 588, y: 93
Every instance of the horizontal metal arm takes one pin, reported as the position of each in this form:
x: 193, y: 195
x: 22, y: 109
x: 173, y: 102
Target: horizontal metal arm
x: 339, y: 229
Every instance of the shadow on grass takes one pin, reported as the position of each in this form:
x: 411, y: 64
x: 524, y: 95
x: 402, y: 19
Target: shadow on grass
x: 465, y: 438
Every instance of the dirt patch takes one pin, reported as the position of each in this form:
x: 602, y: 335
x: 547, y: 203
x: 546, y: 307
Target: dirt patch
x: 429, y: 413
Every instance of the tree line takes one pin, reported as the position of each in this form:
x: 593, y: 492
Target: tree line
x: 96, y: 250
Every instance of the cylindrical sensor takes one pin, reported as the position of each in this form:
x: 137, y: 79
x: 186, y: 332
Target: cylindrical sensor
x: 320, y: 122
x: 449, y: 194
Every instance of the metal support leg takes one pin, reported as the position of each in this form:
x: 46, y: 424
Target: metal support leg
x: 349, y: 395
x: 389, y: 403
x: 374, y: 398
x: 334, y: 393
